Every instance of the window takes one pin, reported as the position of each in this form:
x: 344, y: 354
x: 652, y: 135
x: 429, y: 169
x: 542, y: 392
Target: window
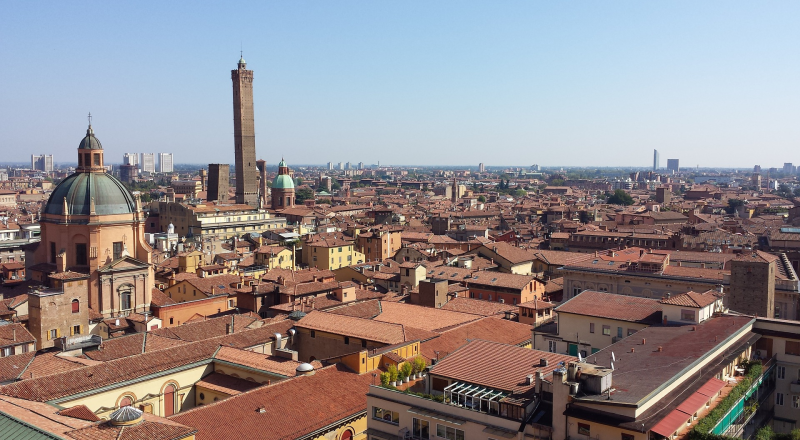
x: 792, y: 347
x: 449, y: 433
x: 796, y: 402
x: 171, y: 320
x: 583, y: 354
x: 125, y: 297
x: 313, y: 334
x: 76, y: 329
x: 385, y: 415
x: 76, y: 306
x: 117, y: 245
x: 551, y: 346
x: 606, y: 330
x: 7, y: 351
x: 97, y: 159
x: 421, y: 429
x: 583, y: 429
x: 627, y: 436
x: 687, y: 315
x: 363, y: 343
x: 591, y: 327
x: 781, y: 372
x: 53, y: 252
x: 576, y: 291
x: 779, y: 399
x: 347, y: 340
x: 80, y: 254
x: 53, y: 333
x: 619, y: 332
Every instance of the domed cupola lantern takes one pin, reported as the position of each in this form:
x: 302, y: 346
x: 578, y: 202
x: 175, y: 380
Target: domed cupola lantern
x: 90, y: 152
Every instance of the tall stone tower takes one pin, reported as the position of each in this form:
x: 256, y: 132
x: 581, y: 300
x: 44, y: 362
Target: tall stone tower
x: 244, y: 135
x: 752, y: 288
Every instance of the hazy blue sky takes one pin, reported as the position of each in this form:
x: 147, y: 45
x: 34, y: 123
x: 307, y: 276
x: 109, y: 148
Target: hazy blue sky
x: 584, y: 83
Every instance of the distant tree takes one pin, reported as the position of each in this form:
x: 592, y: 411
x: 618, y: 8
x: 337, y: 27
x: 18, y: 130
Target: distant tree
x: 620, y: 197
x: 303, y: 194
x: 482, y: 199
x: 335, y: 185
x: 733, y: 205
x: 797, y: 192
x: 557, y: 182
x: 299, y: 181
x: 520, y: 193
x: 324, y: 202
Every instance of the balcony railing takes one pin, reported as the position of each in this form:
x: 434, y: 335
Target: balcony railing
x: 750, y: 407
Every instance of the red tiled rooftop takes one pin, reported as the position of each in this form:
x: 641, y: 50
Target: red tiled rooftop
x: 613, y: 306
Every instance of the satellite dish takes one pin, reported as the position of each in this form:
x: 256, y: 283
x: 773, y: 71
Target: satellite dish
x: 613, y: 358
x: 612, y: 366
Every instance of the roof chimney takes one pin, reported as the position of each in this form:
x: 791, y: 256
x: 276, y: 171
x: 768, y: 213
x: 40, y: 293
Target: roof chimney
x: 660, y: 348
x: 542, y: 362
x: 644, y: 341
x: 633, y: 349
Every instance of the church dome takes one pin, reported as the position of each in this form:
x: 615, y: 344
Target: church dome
x: 283, y: 181
x: 110, y: 196
x: 90, y: 142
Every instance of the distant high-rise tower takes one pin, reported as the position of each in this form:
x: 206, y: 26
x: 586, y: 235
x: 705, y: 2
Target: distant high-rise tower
x: 148, y: 163
x: 655, y: 160
x: 244, y: 135
x: 674, y: 165
x: 165, y: 163
x: 481, y: 168
x: 42, y: 162
x: 130, y: 159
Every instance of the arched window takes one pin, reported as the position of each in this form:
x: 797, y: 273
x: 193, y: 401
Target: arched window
x: 347, y: 435
x: 76, y: 306
x: 169, y: 400
x: 125, y: 296
x: 126, y: 401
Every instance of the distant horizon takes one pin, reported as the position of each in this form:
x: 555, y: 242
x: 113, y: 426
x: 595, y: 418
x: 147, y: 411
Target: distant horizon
x: 457, y: 167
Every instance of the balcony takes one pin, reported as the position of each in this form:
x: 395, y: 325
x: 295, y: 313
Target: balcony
x: 78, y: 342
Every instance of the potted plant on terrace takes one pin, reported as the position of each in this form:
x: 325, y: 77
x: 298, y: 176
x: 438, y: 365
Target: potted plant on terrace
x: 392, y: 371
x: 405, y: 371
x: 419, y: 366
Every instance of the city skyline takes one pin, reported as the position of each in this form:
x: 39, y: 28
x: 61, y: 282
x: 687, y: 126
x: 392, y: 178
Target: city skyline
x: 416, y: 84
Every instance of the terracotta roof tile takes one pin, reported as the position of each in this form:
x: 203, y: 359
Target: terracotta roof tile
x: 336, y: 393
x: 692, y: 299
x: 498, y: 366
x: 425, y: 318
x: 613, y: 306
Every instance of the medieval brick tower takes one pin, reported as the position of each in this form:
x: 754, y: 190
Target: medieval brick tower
x: 244, y: 135
x: 752, y: 288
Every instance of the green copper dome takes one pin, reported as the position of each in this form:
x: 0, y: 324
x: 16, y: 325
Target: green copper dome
x: 90, y: 142
x: 283, y: 181
x: 110, y: 196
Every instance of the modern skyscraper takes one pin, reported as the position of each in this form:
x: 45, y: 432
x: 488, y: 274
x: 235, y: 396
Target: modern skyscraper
x: 148, y: 162
x: 481, y: 168
x: 218, y: 182
x: 330, y: 166
x: 244, y: 135
x: 673, y: 165
x: 164, y: 162
x: 655, y: 160
x: 42, y: 162
x: 130, y: 159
